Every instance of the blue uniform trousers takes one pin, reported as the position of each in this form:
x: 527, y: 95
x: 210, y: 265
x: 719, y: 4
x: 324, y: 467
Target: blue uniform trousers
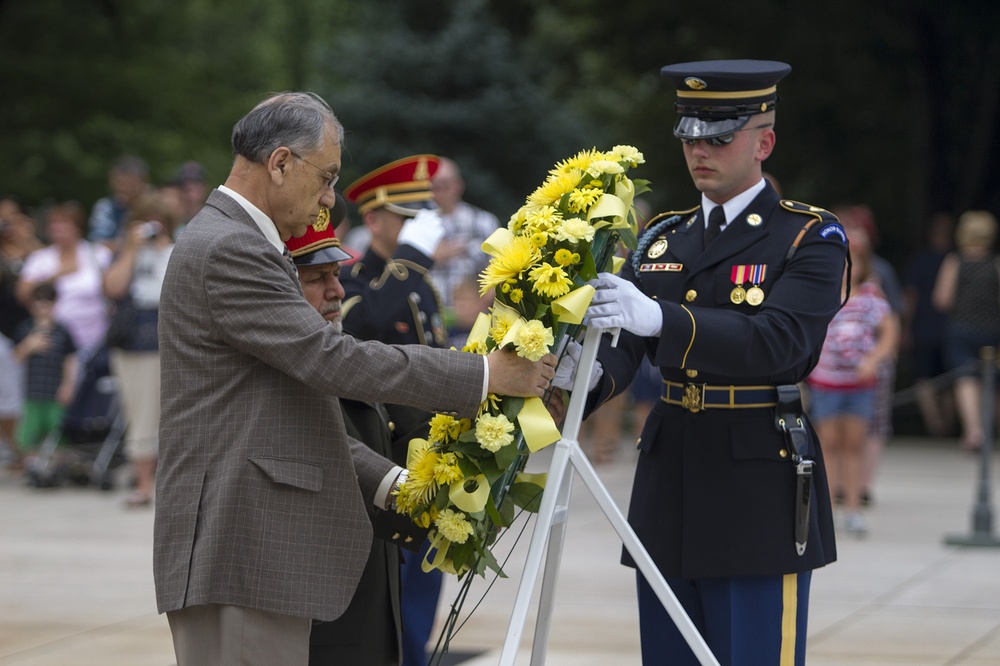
x: 746, y: 620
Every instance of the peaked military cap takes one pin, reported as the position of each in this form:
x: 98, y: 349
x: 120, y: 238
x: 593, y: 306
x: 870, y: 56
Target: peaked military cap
x: 320, y: 245
x: 403, y: 186
x: 717, y: 97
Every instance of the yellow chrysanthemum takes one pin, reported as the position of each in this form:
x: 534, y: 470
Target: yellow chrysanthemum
x: 543, y: 219
x: 550, y: 281
x: 539, y: 239
x: 575, y: 229
x: 627, y: 154
x: 444, y: 429
x: 513, y: 259
x: 565, y: 258
x: 494, y: 432
x: 552, y: 190
x: 516, y: 295
x: 453, y: 526
x: 419, y: 487
x: 534, y: 340
x: 579, y: 162
x: 518, y: 221
x: 447, y: 471
x: 502, y: 318
x: 476, y: 347
x: 582, y: 199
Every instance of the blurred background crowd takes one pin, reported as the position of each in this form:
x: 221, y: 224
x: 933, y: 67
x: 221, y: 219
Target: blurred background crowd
x: 115, y: 117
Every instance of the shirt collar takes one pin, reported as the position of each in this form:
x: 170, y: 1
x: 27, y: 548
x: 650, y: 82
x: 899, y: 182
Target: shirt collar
x: 734, y: 205
x: 260, y: 219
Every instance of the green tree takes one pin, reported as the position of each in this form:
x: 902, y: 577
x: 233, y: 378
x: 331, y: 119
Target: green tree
x: 441, y: 77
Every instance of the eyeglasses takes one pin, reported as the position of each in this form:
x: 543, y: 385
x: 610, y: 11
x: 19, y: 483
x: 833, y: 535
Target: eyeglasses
x: 723, y: 140
x: 331, y: 179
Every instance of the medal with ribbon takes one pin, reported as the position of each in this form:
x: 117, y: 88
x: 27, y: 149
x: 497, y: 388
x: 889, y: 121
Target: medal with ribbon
x: 755, y: 295
x: 753, y: 273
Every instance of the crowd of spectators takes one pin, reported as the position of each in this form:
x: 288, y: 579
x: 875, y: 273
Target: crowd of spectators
x: 70, y: 279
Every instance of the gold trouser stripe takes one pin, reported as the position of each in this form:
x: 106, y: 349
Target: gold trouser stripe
x: 790, y: 598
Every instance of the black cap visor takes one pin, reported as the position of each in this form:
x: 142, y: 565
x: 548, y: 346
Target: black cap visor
x: 696, y: 128
x: 326, y: 255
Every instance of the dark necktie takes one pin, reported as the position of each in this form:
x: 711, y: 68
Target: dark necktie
x: 716, y: 219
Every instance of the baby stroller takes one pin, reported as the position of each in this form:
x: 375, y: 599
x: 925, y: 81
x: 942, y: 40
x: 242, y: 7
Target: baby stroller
x: 93, y: 429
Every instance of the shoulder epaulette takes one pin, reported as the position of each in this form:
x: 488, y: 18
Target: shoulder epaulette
x: 831, y: 225
x: 681, y: 217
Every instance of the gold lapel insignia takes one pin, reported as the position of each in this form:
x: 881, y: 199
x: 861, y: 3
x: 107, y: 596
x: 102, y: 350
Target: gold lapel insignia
x: 754, y: 220
x: 657, y: 249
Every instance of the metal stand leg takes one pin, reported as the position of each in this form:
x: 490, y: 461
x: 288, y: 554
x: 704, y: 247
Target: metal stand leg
x: 982, y: 513
x: 549, y: 534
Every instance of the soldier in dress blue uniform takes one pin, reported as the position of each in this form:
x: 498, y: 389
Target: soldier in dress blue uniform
x: 389, y: 297
x: 730, y: 300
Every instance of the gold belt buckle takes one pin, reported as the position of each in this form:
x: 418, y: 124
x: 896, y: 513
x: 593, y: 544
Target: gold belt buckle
x: 694, y: 398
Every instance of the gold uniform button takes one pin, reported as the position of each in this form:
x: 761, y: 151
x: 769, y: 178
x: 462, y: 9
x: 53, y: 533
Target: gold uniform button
x: 691, y: 295
x: 395, y: 536
x: 783, y: 453
x: 392, y: 427
x: 691, y: 373
x: 638, y: 442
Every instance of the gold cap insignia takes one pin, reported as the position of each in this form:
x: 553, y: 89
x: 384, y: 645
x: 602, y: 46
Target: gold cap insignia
x: 694, y: 83
x: 322, y: 220
x: 422, y: 172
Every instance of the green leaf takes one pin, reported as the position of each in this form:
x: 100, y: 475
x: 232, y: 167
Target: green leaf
x: 490, y: 561
x: 505, y: 456
x: 528, y: 496
x: 628, y: 238
x: 494, y: 514
x: 511, y: 407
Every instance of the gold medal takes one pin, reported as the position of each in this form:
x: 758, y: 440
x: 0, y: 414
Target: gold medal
x: 755, y: 296
x: 738, y: 295
x: 657, y: 249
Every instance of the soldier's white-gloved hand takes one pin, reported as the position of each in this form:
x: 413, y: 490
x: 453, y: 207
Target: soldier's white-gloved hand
x: 422, y: 231
x: 566, y: 370
x: 618, y: 303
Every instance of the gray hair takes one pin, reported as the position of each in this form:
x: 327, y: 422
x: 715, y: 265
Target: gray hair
x: 296, y: 120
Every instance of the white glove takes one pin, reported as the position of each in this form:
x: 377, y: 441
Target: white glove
x: 566, y: 370
x: 618, y: 303
x: 422, y: 231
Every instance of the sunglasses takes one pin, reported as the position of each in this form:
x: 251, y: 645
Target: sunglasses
x: 722, y: 140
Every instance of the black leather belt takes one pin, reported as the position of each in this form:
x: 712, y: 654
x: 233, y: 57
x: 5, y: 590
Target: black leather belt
x: 696, y: 397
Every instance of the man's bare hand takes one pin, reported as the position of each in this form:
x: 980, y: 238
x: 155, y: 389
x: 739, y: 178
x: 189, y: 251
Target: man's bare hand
x: 513, y: 375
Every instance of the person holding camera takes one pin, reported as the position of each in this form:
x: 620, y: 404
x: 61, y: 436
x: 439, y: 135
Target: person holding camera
x: 133, y: 282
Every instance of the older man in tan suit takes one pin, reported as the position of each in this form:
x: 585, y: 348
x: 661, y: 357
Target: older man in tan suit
x: 263, y: 501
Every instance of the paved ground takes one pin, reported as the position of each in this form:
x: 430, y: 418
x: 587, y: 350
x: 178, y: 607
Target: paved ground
x: 76, y: 584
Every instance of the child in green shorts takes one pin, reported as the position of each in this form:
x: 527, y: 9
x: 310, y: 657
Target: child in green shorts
x: 48, y: 354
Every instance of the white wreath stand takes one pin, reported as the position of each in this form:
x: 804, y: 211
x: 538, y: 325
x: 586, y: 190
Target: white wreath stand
x: 550, y: 532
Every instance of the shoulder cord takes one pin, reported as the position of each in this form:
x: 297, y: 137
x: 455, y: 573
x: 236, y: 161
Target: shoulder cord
x: 647, y: 239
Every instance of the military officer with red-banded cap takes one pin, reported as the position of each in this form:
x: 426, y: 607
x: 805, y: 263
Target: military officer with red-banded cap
x: 390, y: 297
x: 730, y: 300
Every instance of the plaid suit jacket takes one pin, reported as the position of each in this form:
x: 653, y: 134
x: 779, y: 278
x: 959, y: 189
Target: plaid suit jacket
x: 263, y: 501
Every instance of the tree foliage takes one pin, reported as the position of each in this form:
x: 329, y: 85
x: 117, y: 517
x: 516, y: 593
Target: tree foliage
x: 890, y: 104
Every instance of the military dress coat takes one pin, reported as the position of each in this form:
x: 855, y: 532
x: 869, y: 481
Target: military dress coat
x: 368, y: 633
x: 395, y: 302
x: 263, y: 501
x: 714, y: 489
